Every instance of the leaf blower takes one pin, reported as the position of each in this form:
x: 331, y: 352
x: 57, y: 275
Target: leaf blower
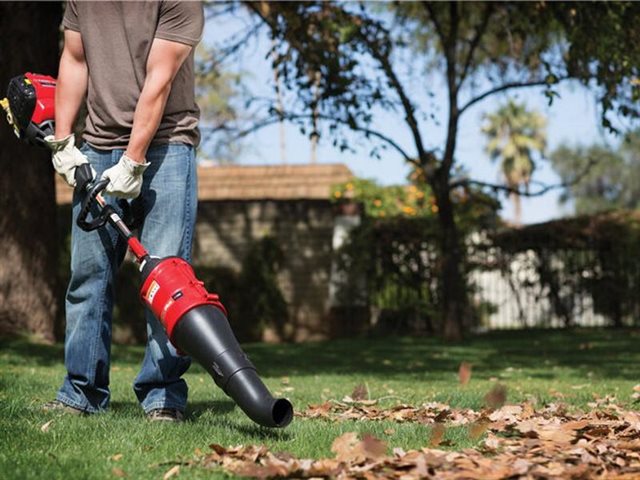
x: 195, y: 320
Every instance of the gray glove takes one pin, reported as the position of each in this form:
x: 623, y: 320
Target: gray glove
x: 66, y: 157
x: 125, y: 178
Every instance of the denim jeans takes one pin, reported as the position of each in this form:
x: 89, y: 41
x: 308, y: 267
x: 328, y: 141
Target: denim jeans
x: 169, y: 199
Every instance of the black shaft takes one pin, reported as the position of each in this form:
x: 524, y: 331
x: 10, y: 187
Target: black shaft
x: 205, y: 334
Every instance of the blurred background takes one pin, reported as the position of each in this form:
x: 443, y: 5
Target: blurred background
x: 372, y: 168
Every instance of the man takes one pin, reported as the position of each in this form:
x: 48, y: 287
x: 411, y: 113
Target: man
x: 134, y: 63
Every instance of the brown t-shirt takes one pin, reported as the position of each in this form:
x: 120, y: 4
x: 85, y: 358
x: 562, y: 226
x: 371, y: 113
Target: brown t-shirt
x: 117, y: 37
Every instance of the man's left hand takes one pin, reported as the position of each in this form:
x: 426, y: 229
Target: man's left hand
x: 125, y: 178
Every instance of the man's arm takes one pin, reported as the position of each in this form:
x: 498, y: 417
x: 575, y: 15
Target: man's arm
x: 165, y: 59
x: 73, y: 76
x: 72, y: 83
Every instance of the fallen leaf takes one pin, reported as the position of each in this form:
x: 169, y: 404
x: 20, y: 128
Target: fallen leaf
x: 464, y: 373
x: 345, y: 447
x: 373, y: 447
x: 118, y: 472
x: 349, y: 449
x: 477, y: 429
x: 437, y: 434
x: 45, y: 428
x: 360, y: 392
x: 496, y: 397
x: 172, y: 472
x: 115, y: 458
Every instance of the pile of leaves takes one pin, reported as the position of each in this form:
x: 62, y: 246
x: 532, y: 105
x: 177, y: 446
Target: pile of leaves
x: 514, y: 441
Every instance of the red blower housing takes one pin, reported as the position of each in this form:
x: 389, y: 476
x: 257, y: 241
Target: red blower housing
x: 171, y: 289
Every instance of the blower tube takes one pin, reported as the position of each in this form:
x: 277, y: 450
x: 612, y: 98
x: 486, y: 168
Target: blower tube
x: 197, y: 325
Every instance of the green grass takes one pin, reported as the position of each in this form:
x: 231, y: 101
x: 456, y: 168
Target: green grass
x: 540, y: 366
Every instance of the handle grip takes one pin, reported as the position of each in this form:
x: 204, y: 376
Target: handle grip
x: 100, y: 220
x: 83, y: 176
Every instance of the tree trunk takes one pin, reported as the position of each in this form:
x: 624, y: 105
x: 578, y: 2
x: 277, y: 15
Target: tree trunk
x: 453, y: 291
x: 29, y: 36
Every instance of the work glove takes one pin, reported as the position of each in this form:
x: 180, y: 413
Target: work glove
x: 125, y: 178
x: 66, y: 157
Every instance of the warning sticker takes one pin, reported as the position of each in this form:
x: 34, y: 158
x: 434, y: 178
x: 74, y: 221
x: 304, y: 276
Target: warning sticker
x: 151, y: 293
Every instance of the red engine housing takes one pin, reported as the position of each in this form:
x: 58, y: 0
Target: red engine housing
x: 45, y: 87
x: 171, y: 289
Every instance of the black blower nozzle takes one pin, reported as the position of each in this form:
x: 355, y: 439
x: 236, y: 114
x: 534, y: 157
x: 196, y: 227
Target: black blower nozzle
x: 204, y: 333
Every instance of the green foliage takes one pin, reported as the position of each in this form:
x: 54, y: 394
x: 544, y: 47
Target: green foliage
x: 396, y: 249
x: 604, y: 52
x: 252, y: 296
x: 474, y: 208
x: 391, y: 201
x: 515, y: 136
x: 599, y: 177
x: 262, y: 301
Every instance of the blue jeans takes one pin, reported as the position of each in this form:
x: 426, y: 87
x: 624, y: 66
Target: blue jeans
x: 169, y: 197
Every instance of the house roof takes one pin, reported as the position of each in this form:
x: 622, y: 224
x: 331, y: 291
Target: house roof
x: 257, y: 182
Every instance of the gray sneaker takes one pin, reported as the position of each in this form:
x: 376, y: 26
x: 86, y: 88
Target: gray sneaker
x: 56, y: 406
x: 165, y: 415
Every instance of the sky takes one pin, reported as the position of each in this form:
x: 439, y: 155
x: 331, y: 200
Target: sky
x: 572, y: 120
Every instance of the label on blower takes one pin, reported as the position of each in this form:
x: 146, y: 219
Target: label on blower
x: 152, y: 292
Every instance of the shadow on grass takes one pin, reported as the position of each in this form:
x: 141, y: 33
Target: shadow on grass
x: 607, y: 353
x: 17, y: 350
x: 604, y: 352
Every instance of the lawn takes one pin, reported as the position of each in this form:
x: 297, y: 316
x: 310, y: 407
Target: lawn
x: 538, y: 367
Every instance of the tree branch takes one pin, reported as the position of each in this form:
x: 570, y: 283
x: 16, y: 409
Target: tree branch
x: 233, y: 47
x: 475, y: 42
x: 436, y: 23
x: 502, y: 88
x: 404, y: 100
x: 450, y: 52
x: 293, y: 116
x: 544, y: 188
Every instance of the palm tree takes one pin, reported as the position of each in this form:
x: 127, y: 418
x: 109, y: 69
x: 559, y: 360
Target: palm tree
x: 515, y: 136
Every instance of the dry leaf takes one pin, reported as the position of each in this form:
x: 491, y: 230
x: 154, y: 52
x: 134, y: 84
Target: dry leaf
x: 118, y: 472
x: 477, y: 429
x: 373, y: 447
x: 345, y: 447
x: 437, y: 434
x: 348, y: 448
x: 464, y: 373
x: 496, y: 397
x: 360, y: 392
x: 45, y: 428
x: 551, y: 442
x: 117, y: 457
x: 172, y: 472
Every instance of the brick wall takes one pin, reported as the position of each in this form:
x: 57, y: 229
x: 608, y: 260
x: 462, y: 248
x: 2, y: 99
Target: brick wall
x: 303, y: 229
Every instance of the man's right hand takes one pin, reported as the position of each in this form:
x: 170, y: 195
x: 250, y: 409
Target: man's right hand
x: 66, y: 157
